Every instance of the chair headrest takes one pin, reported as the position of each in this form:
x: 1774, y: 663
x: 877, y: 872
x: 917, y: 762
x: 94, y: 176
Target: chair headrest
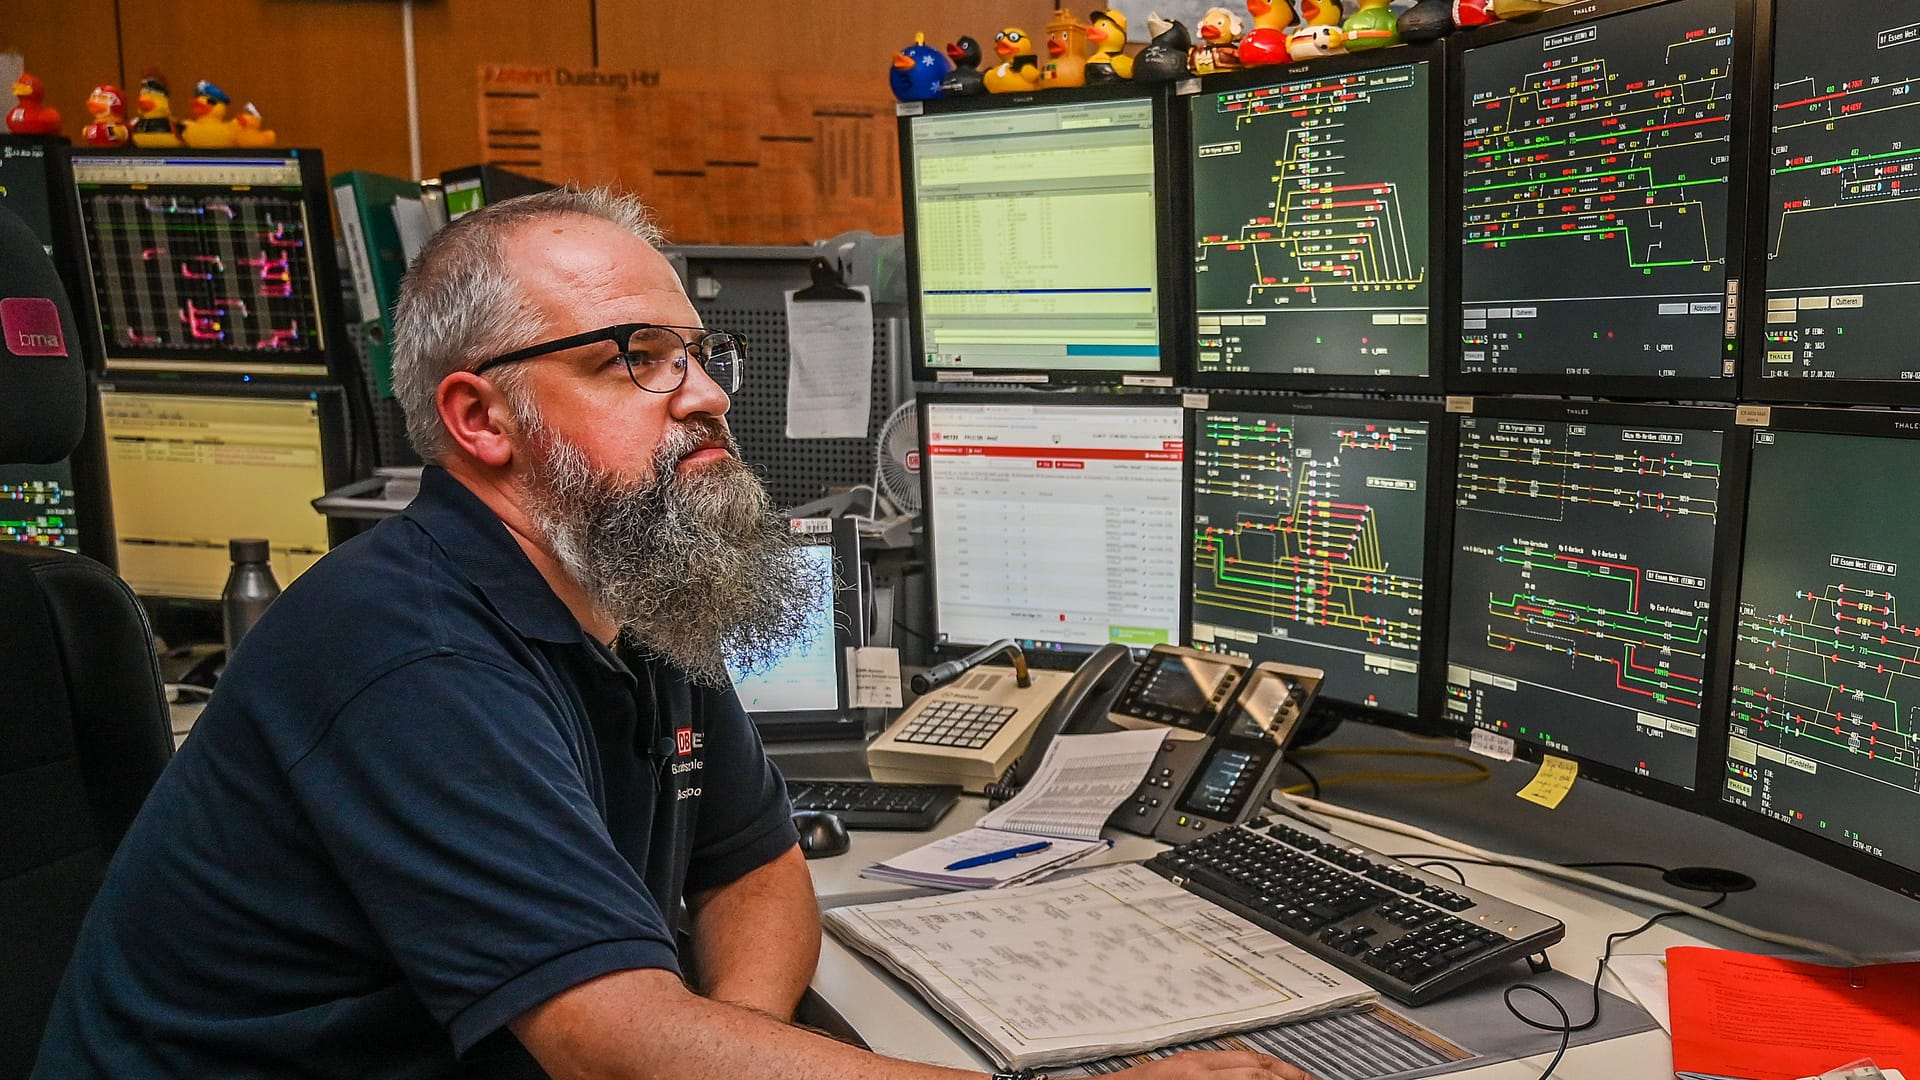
x: 42, y: 371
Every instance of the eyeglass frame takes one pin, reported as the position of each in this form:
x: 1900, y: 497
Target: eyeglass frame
x: 619, y: 335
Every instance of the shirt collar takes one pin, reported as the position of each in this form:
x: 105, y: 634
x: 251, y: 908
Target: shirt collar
x: 482, y: 550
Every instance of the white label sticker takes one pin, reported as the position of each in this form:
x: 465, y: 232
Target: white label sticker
x: 1487, y: 744
x: 874, y: 674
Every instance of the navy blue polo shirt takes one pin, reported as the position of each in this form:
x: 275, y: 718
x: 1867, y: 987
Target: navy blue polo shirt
x: 422, y: 802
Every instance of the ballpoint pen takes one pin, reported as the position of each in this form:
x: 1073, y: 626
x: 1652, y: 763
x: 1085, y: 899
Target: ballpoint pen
x: 972, y: 861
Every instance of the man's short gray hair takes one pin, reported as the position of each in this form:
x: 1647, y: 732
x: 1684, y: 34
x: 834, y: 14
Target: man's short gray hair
x: 460, y: 302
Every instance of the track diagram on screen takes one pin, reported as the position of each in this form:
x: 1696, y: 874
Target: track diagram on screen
x: 1834, y: 680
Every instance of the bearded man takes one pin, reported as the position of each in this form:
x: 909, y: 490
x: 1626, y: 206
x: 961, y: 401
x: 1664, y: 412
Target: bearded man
x: 445, y: 810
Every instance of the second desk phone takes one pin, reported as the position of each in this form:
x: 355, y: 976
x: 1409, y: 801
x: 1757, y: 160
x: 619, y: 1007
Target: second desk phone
x: 1227, y: 722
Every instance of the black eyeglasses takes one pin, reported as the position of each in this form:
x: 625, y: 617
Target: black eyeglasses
x: 656, y: 356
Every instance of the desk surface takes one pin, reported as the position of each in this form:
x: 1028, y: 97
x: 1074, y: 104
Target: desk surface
x: 1796, y: 895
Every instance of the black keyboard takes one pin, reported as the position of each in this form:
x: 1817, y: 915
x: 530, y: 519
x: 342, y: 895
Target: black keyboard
x: 864, y: 804
x: 1407, y: 933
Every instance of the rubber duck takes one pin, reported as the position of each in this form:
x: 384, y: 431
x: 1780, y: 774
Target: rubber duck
x: 155, y: 126
x: 109, y: 111
x: 1018, y: 68
x: 1066, y: 63
x: 1371, y: 27
x: 249, y: 130
x: 1218, y: 50
x: 1473, y: 13
x: 917, y: 71
x: 1428, y: 20
x: 29, y: 115
x: 1165, y: 57
x: 1321, y: 12
x: 965, y: 79
x: 209, y: 128
x: 1266, y: 43
x: 1107, y: 33
x: 1315, y: 41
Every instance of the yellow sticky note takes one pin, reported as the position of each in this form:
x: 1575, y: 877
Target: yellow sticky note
x: 1551, y: 784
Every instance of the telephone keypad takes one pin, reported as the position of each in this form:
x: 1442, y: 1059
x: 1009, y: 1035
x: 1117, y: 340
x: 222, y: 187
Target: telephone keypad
x: 962, y: 725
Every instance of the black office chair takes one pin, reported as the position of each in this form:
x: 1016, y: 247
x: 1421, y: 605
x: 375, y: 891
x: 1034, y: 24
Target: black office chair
x: 83, y: 719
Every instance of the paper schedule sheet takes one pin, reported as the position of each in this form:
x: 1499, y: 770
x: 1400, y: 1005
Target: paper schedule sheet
x: 1115, y: 960
x: 830, y: 367
x: 1080, y: 782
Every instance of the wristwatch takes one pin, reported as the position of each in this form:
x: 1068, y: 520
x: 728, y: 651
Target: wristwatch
x: 1019, y: 1074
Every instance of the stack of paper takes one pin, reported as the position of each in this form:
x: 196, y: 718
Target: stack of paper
x: 1764, y: 1018
x: 1054, y: 822
x: 1115, y: 961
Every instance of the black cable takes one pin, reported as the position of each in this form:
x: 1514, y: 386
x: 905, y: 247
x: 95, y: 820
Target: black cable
x: 1440, y: 862
x: 1313, y: 782
x: 1566, y: 1028
x: 910, y: 631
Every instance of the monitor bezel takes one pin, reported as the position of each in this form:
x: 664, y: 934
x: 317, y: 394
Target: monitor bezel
x: 1741, y: 148
x: 1753, y: 386
x: 337, y: 354
x: 1067, y: 653
x: 1817, y: 420
x: 334, y: 463
x: 841, y: 536
x: 1429, y: 715
x: 1441, y: 310
x: 1172, y: 302
x: 1728, y: 535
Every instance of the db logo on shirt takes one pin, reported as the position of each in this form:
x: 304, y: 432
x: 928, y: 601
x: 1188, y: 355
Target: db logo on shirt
x: 686, y: 740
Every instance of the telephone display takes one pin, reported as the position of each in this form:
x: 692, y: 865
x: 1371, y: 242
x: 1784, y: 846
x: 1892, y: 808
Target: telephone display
x: 1269, y: 708
x: 1226, y: 780
x: 1180, y: 688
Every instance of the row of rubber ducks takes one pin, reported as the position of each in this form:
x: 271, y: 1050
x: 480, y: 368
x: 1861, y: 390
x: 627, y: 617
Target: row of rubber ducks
x: 1093, y: 53
x: 153, y: 124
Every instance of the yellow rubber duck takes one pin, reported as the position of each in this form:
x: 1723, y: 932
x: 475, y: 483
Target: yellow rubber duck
x: 155, y: 127
x: 1107, y: 32
x: 1066, y: 52
x: 249, y: 131
x: 1018, y: 69
x: 209, y: 128
x: 1321, y: 12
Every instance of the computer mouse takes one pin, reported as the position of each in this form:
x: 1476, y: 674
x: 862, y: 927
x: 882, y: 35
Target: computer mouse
x: 822, y: 835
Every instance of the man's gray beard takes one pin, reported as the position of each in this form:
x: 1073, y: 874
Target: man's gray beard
x: 693, y: 568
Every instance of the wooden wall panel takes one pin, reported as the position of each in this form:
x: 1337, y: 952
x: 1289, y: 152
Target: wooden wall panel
x: 329, y: 75
x: 453, y: 38
x: 70, y: 46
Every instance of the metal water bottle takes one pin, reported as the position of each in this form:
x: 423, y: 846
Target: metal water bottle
x: 250, y: 588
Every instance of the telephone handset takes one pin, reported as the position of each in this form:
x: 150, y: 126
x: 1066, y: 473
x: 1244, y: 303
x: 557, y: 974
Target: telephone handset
x: 972, y: 722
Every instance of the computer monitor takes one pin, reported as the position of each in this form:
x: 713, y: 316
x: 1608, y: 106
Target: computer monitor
x: 1842, y: 179
x: 214, y: 264
x: 1318, y: 539
x: 38, y: 505
x: 473, y: 186
x: 1054, y: 520
x: 1589, y: 543
x: 1317, y: 190
x: 803, y: 693
x: 192, y: 468
x: 28, y: 187
x: 1603, y: 187
x: 1823, y: 750
x: 1037, y: 234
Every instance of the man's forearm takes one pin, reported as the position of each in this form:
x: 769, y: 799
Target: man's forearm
x: 757, y: 939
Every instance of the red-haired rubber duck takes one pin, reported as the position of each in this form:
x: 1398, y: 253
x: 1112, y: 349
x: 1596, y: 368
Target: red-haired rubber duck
x: 1218, y: 48
x: 1371, y: 27
x: 1107, y: 33
x: 1018, y: 69
x: 1066, y: 63
x: 108, y: 108
x: 155, y: 127
x: 251, y: 131
x: 210, y: 128
x: 30, y: 114
x: 1266, y: 43
x: 917, y: 71
x: 965, y: 79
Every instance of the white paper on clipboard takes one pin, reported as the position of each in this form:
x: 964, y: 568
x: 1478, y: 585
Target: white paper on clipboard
x: 830, y: 367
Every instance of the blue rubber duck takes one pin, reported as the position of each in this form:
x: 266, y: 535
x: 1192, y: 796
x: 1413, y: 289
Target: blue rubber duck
x: 917, y: 71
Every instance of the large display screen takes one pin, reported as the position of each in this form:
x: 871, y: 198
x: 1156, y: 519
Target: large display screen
x: 1844, y: 181
x: 1583, y: 574
x: 1311, y: 230
x: 1597, y: 158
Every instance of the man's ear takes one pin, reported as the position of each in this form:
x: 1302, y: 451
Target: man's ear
x: 478, y: 418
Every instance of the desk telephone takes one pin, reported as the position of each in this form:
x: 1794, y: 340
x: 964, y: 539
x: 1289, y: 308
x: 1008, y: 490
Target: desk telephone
x: 1227, y: 721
